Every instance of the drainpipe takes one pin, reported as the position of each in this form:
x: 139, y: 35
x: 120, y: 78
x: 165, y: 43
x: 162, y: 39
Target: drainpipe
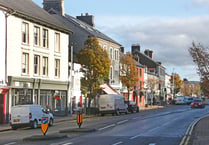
x: 7, y: 14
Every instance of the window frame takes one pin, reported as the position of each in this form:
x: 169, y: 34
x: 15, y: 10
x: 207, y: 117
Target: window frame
x: 45, y: 39
x: 25, y: 62
x: 36, y: 37
x: 57, y: 68
x: 36, y: 67
x: 45, y: 64
x: 25, y: 33
x: 57, y: 42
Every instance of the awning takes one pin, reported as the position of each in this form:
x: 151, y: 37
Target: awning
x: 108, y: 89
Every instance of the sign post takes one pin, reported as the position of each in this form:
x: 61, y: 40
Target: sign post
x: 44, y: 124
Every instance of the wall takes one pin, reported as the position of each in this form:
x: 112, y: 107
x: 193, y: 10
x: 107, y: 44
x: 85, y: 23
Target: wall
x: 15, y: 49
x: 2, y: 47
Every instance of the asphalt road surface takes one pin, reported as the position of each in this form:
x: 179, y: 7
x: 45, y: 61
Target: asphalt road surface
x: 155, y: 127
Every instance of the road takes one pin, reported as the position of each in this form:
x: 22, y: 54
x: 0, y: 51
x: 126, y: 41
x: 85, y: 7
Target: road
x: 155, y: 127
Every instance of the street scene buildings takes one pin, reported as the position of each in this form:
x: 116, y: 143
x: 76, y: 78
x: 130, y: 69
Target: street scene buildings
x: 39, y: 65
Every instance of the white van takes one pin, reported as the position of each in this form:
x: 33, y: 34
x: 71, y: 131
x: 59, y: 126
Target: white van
x: 112, y: 104
x: 28, y: 115
x: 180, y: 100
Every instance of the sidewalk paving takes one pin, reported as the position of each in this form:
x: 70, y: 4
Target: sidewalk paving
x: 6, y: 127
x: 200, y: 133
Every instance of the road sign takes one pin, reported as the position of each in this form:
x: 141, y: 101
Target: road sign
x: 44, y: 124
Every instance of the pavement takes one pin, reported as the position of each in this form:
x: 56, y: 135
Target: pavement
x: 197, y: 133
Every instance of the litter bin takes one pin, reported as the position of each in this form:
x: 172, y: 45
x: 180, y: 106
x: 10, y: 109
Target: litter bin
x: 146, y: 105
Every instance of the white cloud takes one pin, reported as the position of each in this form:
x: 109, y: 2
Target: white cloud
x: 169, y: 38
x: 201, y: 2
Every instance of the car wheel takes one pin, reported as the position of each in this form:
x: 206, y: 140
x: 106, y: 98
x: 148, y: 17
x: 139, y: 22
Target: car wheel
x: 137, y: 110
x: 14, y: 127
x: 34, y: 124
x: 117, y: 112
x: 51, y: 122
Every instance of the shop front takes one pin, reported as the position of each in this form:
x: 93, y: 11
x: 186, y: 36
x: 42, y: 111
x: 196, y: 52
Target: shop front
x: 49, y: 94
x: 3, y: 102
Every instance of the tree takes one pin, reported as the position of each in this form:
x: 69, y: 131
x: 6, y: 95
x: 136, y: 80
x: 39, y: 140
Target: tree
x: 128, y: 72
x: 95, y: 66
x: 177, y: 82
x: 200, y: 57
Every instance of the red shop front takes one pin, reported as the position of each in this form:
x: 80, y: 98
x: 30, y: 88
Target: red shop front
x: 3, y: 93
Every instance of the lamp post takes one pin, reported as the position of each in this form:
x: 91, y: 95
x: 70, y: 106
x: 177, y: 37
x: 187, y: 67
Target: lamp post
x: 70, y: 80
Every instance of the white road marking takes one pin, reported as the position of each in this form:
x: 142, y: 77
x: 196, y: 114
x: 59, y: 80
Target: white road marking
x: 106, y: 127
x: 67, y: 143
x: 135, y: 136
x: 117, y: 143
x: 120, y: 122
x: 152, y: 144
x: 10, y: 143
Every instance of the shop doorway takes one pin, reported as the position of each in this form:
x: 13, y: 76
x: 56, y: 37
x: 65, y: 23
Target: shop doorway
x: 2, y: 108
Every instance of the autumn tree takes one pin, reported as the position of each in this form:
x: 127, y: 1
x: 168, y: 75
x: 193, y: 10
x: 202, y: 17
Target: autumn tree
x: 200, y: 56
x: 177, y: 82
x: 128, y: 72
x: 95, y: 66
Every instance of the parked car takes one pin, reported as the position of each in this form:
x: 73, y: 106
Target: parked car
x: 189, y: 100
x: 132, y: 106
x: 180, y: 100
x: 29, y: 115
x: 112, y: 104
x: 197, y: 103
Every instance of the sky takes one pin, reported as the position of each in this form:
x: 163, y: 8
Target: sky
x: 166, y: 27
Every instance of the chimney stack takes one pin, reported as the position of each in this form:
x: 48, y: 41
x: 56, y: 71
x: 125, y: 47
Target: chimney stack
x: 135, y: 48
x: 149, y: 53
x: 88, y: 19
x: 57, y: 5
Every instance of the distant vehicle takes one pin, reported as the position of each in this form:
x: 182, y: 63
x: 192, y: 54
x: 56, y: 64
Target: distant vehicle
x: 132, y: 106
x: 29, y: 115
x: 189, y: 100
x: 180, y: 100
x: 112, y: 104
x: 198, y: 103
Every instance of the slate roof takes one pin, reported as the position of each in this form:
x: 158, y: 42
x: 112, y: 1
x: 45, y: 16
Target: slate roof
x: 28, y: 10
x: 89, y: 29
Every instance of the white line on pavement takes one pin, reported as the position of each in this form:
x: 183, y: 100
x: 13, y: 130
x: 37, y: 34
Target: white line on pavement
x: 117, y: 143
x: 10, y: 143
x: 67, y: 143
x: 106, y: 127
x: 135, y: 136
x: 120, y: 122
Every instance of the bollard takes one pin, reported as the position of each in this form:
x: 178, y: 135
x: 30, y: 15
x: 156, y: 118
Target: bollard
x: 79, y: 119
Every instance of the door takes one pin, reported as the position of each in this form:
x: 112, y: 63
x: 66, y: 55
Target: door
x: 1, y: 108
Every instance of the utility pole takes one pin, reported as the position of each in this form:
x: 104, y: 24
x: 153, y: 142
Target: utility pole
x: 70, y: 80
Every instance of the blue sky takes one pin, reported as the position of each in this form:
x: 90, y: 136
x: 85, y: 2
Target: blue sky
x: 167, y: 27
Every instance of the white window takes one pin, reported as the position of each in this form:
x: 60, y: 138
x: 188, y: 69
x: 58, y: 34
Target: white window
x: 36, y: 64
x: 111, y: 49
x: 57, y: 42
x: 57, y: 68
x: 111, y: 73
x: 25, y: 63
x: 25, y: 33
x: 45, y: 38
x: 45, y: 66
x: 36, y: 36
